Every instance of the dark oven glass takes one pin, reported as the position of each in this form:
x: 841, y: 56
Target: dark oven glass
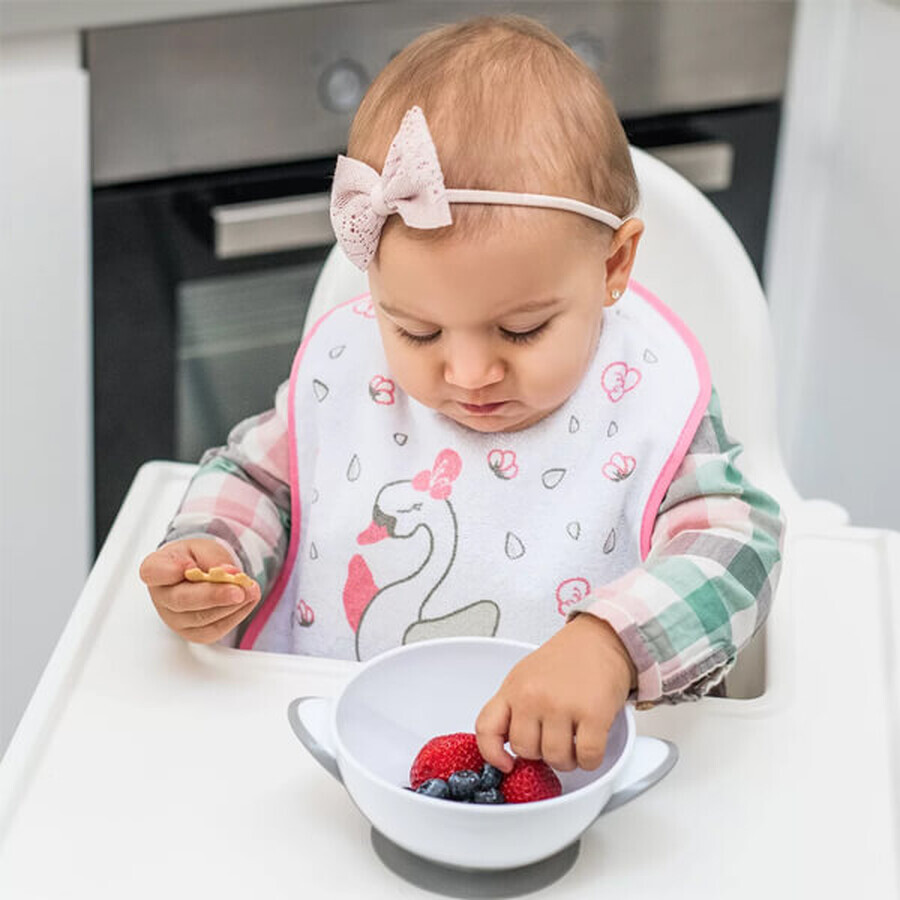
x: 197, y: 310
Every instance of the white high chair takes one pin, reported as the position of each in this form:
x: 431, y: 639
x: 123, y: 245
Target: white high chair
x: 692, y: 259
x: 96, y: 741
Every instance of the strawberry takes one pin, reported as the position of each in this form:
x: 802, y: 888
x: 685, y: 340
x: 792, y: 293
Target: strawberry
x: 444, y: 755
x: 530, y: 779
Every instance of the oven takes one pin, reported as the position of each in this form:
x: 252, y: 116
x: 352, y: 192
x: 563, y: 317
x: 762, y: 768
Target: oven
x: 213, y: 143
x: 201, y: 284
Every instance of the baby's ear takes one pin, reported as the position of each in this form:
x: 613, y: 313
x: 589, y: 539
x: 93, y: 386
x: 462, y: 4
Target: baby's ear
x: 620, y: 258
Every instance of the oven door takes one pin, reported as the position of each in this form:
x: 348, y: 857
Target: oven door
x: 201, y: 286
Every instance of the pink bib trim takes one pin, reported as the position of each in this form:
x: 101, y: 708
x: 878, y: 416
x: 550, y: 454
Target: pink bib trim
x: 667, y: 473
x: 271, y: 602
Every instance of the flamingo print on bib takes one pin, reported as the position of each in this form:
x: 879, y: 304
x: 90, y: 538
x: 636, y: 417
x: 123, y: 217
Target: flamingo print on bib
x: 398, y: 613
x: 407, y: 526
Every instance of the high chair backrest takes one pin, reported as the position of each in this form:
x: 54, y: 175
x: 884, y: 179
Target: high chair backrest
x: 691, y: 258
x: 693, y: 261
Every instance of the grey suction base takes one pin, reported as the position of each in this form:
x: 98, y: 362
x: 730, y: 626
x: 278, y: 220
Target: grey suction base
x: 474, y: 883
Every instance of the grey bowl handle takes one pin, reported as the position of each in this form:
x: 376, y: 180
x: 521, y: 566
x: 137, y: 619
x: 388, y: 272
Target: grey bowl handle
x: 651, y: 760
x: 310, y: 719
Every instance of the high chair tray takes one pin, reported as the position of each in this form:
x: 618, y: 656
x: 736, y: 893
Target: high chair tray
x: 148, y: 767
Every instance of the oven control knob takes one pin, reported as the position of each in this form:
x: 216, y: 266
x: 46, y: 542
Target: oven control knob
x: 589, y: 48
x: 342, y: 86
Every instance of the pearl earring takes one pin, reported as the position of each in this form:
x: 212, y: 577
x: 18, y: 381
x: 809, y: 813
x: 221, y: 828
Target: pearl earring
x: 616, y: 294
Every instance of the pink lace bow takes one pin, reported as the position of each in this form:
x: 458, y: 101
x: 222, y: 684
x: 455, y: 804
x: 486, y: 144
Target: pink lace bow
x: 411, y: 184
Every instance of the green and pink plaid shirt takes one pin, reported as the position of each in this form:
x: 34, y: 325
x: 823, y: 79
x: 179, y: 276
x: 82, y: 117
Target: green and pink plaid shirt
x: 702, y: 592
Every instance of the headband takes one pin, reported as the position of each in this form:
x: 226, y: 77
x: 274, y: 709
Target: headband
x: 411, y: 184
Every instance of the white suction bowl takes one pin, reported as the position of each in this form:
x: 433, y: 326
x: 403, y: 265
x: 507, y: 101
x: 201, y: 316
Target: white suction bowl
x: 398, y: 701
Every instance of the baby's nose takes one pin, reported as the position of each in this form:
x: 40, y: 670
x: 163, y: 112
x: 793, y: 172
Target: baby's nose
x: 472, y: 365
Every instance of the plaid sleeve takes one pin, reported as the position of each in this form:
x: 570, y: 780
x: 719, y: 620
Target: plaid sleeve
x: 707, y: 583
x: 240, y: 494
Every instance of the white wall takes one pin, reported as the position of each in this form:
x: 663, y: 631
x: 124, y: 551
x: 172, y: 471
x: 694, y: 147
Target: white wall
x: 45, y: 469
x: 834, y: 251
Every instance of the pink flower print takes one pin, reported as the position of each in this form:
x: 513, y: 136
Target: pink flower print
x: 381, y: 390
x: 364, y: 308
x: 503, y: 463
x: 304, y: 614
x: 438, y: 481
x: 619, y: 467
x: 571, y: 592
x: 618, y: 379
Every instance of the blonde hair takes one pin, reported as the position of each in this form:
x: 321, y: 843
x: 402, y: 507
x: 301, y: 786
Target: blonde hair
x: 511, y: 108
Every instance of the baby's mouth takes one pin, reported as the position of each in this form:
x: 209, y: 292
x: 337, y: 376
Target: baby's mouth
x: 482, y: 409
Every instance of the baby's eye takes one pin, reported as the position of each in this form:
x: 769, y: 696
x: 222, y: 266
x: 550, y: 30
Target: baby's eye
x: 418, y: 339
x: 523, y: 337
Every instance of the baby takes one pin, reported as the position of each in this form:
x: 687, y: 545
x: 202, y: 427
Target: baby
x: 506, y: 437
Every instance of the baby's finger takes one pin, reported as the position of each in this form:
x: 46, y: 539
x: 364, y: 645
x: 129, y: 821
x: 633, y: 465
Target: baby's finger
x: 166, y: 566
x: 190, y: 597
x: 525, y: 735
x: 557, y: 747
x: 490, y: 730
x: 197, y: 618
x: 207, y: 554
x: 590, y: 743
x: 208, y: 634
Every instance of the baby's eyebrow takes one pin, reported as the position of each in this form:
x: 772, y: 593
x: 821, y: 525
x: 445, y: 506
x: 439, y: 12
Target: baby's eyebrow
x: 393, y: 311
x: 529, y: 306
x: 534, y: 306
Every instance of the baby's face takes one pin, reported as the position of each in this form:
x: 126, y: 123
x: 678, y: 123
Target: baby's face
x: 494, y: 334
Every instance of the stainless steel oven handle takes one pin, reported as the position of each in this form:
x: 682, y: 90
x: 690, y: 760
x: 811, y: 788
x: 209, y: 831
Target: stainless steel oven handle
x: 708, y: 165
x: 293, y: 223
x: 267, y: 226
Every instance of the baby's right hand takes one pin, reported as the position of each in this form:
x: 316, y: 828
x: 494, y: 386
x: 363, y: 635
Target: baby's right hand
x: 199, y: 611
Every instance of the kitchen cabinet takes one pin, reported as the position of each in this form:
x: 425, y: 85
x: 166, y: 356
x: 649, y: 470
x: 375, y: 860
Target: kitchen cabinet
x: 45, y: 463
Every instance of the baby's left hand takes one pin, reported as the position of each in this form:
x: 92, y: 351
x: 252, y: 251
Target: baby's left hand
x: 559, y: 702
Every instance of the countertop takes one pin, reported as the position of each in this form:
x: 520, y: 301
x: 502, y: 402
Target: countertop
x: 144, y: 762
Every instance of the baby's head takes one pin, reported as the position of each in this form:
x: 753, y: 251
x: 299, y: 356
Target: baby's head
x: 510, y: 107
x: 494, y: 319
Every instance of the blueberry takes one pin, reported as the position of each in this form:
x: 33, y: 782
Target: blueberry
x: 491, y: 777
x: 491, y: 795
x: 434, y: 787
x: 463, y: 784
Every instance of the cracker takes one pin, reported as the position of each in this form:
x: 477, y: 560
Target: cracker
x: 218, y: 575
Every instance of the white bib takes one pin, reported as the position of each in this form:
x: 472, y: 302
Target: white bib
x: 408, y: 526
